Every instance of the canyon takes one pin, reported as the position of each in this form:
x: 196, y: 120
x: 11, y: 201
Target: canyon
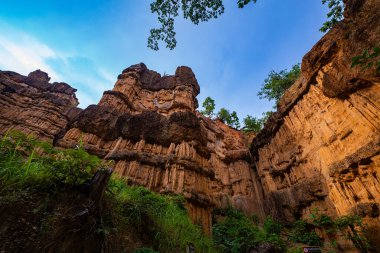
x: 319, y: 151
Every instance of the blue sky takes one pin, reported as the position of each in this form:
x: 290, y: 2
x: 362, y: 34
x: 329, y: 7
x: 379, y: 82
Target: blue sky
x: 87, y: 43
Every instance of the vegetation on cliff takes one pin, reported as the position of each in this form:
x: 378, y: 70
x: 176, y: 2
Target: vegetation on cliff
x: 54, y: 188
x: 273, y: 88
x: 277, y: 83
x: 50, y: 178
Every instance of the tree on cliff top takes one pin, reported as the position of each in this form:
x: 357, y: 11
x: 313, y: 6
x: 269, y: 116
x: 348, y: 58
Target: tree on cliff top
x: 253, y: 124
x: 203, y: 10
x: 209, y: 107
x: 229, y: 118
x: 277, y: 83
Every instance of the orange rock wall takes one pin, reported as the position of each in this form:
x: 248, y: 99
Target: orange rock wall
x: 33, y: 105
x: 321, y: 149
x: 184, y: 152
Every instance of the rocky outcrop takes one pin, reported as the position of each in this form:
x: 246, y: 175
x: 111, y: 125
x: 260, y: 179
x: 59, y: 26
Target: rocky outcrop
x: 321, y: 149
x: 33, y: 105
x: 148, y: 125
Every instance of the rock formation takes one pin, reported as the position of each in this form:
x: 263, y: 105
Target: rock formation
x: 148, y: 125
x: 32, y: 105
x: 321, y: 148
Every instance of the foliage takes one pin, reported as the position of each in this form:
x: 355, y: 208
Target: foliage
x: 167, y: 10
x: 335, y: 14
x: 277, y: 83
x: 295, y: 250
x: 204, y: 10
x: 144, y: 250
x: 303, y: 232
x: 253, y: 124
x: 271, y: 226
x: 228, y: 118
x: 355, y: 230
x: 242, y: 3
x: 235, y: 120
x: 368, y: 60
x: 224, y: 115
x: 209, y: 107
x: 351, y: 226
x: 237, y: 233
x: 26, y: 162
x: 162, y: 217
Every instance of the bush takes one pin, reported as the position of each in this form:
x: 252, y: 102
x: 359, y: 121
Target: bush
x: 144, y: 250
x: 351, y: 226
x: 237, y: 233
x: 161, y: 217
x: 27, y: 162
x: 303, y: 232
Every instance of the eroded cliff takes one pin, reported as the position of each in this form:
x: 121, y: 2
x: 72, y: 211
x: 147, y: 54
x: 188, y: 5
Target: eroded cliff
x: 33, y: 105
x: 321, y: 148
x: 148, y: 125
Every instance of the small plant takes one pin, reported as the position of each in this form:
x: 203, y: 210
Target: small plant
x: 160, y: 217
x: 271, y: 226
x: 237, y: 233
x: 354, y: 230
x: 144, y: 250
x: 335, y: 14
x: 303, y: 232
x: 351, y: 226
x: 368, y: 59
x: 27, y: 162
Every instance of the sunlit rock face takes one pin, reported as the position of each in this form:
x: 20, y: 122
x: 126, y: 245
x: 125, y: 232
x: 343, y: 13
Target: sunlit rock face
x: 148, y: 125
x: 33, y: 105
x: 321, y: 148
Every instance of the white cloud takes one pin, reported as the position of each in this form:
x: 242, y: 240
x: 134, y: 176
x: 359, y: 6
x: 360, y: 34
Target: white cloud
x: 23, y: 53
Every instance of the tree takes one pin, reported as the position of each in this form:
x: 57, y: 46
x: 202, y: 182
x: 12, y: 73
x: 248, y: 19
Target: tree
x: 203, y: 10
x: 276, y: 83
x: 224, y: 115
x: 335, y: 14
x: 228, y: 118
x: 209, y: 107
x: 253, y: 124
x: 235, y: 120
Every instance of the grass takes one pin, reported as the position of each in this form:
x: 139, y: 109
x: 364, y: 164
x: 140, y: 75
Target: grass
x: 161, y: 217
x: 235, y: 232
x: 136, y: 218
x: 27, y: 162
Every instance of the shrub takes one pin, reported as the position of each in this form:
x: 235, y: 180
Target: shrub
x: 144, y: 250
x: 237, y: 233
x: 27, y: 162
x: 161, y: 217
x: 349, y: 225
x: 302, y: 232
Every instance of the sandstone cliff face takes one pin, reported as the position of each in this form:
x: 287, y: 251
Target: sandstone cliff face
x: 32, y: 105
x: 148, y: 125
x: 321, y: 148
